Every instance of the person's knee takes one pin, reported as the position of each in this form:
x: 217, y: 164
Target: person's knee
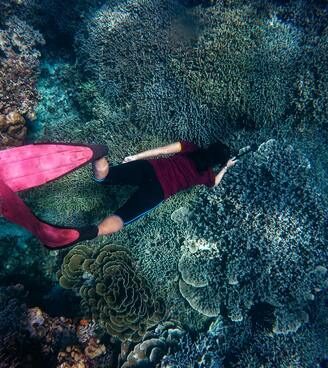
x: 110, y: 225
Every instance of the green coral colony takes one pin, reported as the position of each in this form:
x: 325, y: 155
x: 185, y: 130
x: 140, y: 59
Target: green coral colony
x: 112, y: 290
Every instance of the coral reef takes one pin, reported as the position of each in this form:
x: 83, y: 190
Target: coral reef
x: 250, y: 343
x: 244, y: 63
x: 164, y: 339
x: 12, y: 129
x: 260, y: 237
x: 201, y: 353
x: 110, y: 287
x: 13, y: 311
x: 306, y: 348
x: 19, y: 60
x: 53, y: 332
x: 75, y: 343
x: 251, y: 251
x: 24, y: 260
x: 30, y: 338
x: 74, y: 199
x: 143, y: 88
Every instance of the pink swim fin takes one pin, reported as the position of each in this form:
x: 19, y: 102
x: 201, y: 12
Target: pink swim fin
x: 36, y: 164
x: 15, y: 210
x: 32, y: 165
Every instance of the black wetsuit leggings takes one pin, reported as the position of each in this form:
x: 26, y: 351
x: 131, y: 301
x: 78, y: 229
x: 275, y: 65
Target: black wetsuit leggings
x: 149, y: 194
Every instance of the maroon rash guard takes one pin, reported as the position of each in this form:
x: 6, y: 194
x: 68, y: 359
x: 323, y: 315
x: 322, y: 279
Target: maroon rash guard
x: 179, y: 172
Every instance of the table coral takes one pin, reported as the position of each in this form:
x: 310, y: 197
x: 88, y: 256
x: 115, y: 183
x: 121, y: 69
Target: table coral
x: 110, y: 287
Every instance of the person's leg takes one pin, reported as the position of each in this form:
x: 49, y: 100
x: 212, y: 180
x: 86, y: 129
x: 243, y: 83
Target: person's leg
x: 53, y: 237
x: 139, y: 204
x: 100, y: 168
x: 110, y: 225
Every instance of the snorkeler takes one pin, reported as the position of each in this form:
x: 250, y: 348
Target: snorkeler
x: 159, y: 178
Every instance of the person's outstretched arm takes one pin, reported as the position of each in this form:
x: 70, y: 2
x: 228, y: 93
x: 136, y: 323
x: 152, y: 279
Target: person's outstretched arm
x: 220, y: 175
x: 165, y: 150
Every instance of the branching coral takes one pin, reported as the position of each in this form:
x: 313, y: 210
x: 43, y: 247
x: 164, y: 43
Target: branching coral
x: 260, y: 237
x: 243, y: 65
x: 111, y: 288
x: 145, y: 34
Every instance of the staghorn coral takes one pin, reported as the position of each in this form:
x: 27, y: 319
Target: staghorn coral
x: 19, y: 60
x: 260, y: 237
x: 110, y: 287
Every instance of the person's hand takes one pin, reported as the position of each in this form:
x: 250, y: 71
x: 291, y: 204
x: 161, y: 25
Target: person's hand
x: 129, y: 159
x: 231, y: 162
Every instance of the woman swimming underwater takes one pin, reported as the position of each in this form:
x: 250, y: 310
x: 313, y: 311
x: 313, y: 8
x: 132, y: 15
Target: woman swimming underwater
x: 159, y: 178
x: 156, y: 177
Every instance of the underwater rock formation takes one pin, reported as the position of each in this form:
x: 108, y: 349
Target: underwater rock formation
x: 110, y: 287
x: 260, y: 237
x: 18, y: 73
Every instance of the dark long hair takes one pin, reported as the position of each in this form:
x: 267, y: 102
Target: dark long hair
x: 216, y: 153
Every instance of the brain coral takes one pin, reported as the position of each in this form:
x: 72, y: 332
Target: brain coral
x: 260, y: 237
x: 110, y: 286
